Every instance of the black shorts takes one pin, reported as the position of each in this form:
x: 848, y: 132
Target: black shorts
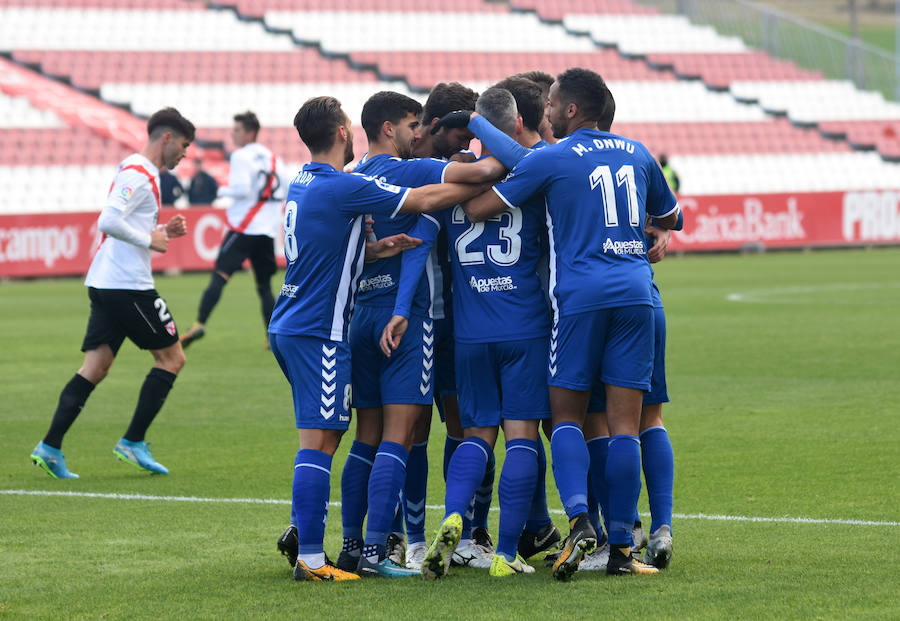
x: 142, y: 316
x: 237, y: 247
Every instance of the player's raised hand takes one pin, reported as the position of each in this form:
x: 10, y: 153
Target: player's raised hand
x: 453, y: 120
x: 393, y: 333
x: 177, y: 226
x: 390, y: 246
x: 660, y: 242
x: 159, y: 240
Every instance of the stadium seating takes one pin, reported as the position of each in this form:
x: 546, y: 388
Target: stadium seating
x: 723, y: 112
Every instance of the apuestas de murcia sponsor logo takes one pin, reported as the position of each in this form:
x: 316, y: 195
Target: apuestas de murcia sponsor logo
x: 623, y: 247
x: 289, y: 291
x: 754, y: 223
x: 39, y: 243
x: 382, y: 281
x: 498, y: 283
x: 871, y: 216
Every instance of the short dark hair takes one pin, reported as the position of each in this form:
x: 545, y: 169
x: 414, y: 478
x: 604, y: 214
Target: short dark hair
x: 446, y: 97
x: 604, y: 123
x: 386, y: 106
x: 529, y: 100
x: 317, y: 120
x: 169, y: 119
x: 587, y: 90
x: 498, y: 106
x: 248, y: 120
x: 541, y: 78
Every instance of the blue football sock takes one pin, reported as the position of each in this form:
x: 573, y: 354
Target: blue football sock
x: 623, y: 476
x: 312, y: 487
x: 414, y: 492
x: 658, y: 462
x: 294, y: 519
x: 570, y: 467
x: 355, y: 489
x: 539, y: 516
x: 465, y: 472
x: 593, y: 506
x: 598, y: 449
x: 397, y: 524
x: 388, y: 475
x: 484, y: 494
x: 450, y: 445
x: 516, y: 491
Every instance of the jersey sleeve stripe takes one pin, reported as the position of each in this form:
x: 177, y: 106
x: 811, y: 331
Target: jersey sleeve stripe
x: 503, y: 198
x: 668, y: 213
x: 400, y: 204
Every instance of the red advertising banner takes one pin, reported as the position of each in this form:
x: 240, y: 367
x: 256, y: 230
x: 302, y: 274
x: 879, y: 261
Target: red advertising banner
x: 788, y: 220
x: 64, y: 243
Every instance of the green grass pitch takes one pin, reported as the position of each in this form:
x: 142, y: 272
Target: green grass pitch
x: 783, y: 372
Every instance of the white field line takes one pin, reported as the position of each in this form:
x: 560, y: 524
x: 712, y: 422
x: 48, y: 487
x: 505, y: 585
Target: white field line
x: 278, y: 501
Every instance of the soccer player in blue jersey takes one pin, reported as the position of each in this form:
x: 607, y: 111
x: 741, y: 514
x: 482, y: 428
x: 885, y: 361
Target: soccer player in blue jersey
x: 324, y: 240
x: 657, y: 457
x: 391, y: 394
x: 476, y: 547
x: 501, y: 326
x: 599, y: 188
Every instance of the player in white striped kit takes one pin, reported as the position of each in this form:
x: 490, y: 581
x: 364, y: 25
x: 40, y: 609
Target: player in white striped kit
x: 257, y: 183
x: 124, y: 302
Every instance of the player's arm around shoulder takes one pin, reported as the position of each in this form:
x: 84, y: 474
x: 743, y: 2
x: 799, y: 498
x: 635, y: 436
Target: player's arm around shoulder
x: 484, y: 170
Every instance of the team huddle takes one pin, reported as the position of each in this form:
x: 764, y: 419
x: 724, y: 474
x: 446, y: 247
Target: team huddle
x: 514, y: 290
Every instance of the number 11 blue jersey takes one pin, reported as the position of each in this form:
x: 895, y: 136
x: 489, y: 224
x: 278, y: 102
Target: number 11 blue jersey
x: 599, y: 188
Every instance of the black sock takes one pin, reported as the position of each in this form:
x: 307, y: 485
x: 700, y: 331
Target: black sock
x: 211, y: 296
x: 268, y: 302
x: 71, y: 400
x: 156, y: 387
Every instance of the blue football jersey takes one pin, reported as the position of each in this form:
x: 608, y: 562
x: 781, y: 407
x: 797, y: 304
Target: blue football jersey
x: 378, y: 284
x: 599, y: 188
x: 497, y: 293
x: 324, y: 244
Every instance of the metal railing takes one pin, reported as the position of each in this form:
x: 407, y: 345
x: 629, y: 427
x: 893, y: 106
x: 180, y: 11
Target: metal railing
x: 785, y: 36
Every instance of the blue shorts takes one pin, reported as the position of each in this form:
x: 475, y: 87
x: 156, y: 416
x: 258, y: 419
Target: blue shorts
x: 405, y: 377
x: 444, y: 369
x: 504, y: 380
x: 658, y: 391
x: 610, y: 345
x: 319, y: 373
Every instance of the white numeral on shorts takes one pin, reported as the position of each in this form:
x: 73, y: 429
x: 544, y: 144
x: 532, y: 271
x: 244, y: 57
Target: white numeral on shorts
x: 160, y: 305
x: 346, y: 397
x: 602, y: 176
x: 291, y: 249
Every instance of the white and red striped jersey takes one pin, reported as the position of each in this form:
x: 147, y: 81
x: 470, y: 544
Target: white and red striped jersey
x: 257, y: 183
x: 131, y: 213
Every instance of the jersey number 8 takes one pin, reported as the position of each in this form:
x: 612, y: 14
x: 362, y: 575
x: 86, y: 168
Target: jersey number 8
x: 291, y: 248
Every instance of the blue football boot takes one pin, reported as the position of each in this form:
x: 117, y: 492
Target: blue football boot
x: 52, y: 461
x: 137, y: 454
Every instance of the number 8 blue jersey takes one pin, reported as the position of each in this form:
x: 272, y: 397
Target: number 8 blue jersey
x: 599, y: 188
x: 324, y: 242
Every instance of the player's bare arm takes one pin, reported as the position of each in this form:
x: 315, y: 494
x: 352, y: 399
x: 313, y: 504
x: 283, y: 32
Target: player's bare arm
x: 392, y: 334
x: 159, y: 240
x: 660, y: 242
x: 486, y: 169
x: 484, y: 206
x: 668, y: 222
x: 437, y: 196
x: 390, y: 246
x: 176, y: 227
